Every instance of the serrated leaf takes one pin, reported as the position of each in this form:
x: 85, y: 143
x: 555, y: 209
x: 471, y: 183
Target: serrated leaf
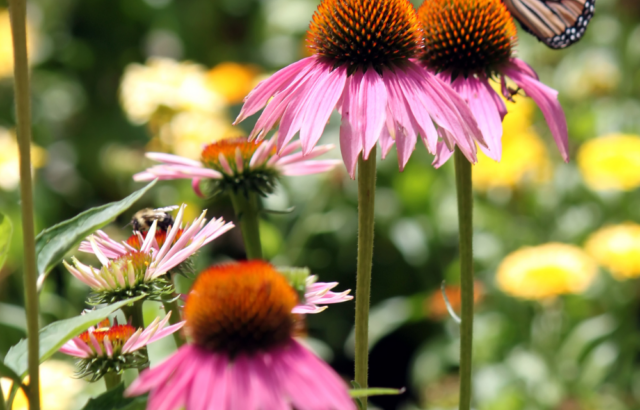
x: 53, y: 243
x: 114, y: 400
x: 6, y: 230
x: 375, y: 391
x: 53, y: 336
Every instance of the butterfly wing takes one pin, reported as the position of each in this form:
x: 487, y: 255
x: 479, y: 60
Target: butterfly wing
x: 557, y: 23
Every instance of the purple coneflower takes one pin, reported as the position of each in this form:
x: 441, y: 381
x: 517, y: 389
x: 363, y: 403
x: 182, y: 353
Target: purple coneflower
x: 128, y: 271
x: 114, y: 348
x: 319, y: 293
x: 239, y: 164
x: 362, y: 67
x: 470, y: 41
x: 243, y: 354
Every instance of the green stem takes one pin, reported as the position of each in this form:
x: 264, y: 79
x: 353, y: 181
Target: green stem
x: 366, y: 201
x: 465, y: 219
x: 18, y: 11
x: 173, y: 319
x: 111, y: 380
x: 134, y: 313
x: 247, y: 208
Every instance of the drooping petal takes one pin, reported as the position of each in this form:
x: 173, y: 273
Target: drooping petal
x: 350, y: 143
x: 374, y: 101
x: 546, y: 98
x: 443, y: 153
x: 405, y: 124
x: 160, y: 374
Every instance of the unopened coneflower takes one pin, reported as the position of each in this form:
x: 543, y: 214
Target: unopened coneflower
x: 242, y: 354
x: 113, y: 348
x: 470, y: 41
x: 362, y: 66
x: 128, y: 271
x: 239, y: 165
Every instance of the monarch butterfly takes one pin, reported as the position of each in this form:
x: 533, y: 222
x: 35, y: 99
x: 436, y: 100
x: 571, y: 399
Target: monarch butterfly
x: 557, y: 23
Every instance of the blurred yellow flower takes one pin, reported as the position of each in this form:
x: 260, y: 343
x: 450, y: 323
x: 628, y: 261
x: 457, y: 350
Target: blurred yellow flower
x: 611, y: 162
x: 524, y: 155
x: 617, y: 248
x: 6, y: 44
x: 58, y: 387
x: 10, y: 161
x: 165, y: 84
x: 189, y: 131
x: 546, y: 271
x: 232, y: 81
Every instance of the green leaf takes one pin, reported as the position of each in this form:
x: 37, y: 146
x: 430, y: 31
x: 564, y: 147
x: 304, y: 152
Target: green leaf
x: 6, y: 230
x: 53, y: 243
x: 114, y: 400
x: 52, y: 337
x: 375, y: 391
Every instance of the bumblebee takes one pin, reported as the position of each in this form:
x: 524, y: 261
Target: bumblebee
x: 143, y: 219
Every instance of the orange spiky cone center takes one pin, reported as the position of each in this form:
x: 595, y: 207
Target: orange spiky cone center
x: 240, y: 307
x: 230, y: 149
x: 364, y: 33
x: 466, y: 36
x: 117, y: 334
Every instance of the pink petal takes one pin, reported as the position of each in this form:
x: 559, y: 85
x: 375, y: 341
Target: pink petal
x: 406, y: 125
x: 195, y: 184
x: 161, y: 374
x: 443, y: 153
x: 323, y: 99
x: 260, y: 95
x: 547, y: 100
x: 173, y: 159
x: 310, y: 167
x: 299, y: 156
x: 199, y: 397
x: 374, y: 101
x: 350, y: 142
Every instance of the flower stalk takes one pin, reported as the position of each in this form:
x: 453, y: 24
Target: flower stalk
x: 366, y: 202
x: 174, y: 319
x: 135, y: 315
x: 247, y: 208
x: 465, y: 221
x: 18, y: 12
x: 111, y: 380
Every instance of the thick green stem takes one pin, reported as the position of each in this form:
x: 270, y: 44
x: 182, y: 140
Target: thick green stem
x: 173, y: 319
x: 366, y: 202
x: 247, y: 208
x: 111, y: 380
x: 465, y: 219
x: 18, y: 11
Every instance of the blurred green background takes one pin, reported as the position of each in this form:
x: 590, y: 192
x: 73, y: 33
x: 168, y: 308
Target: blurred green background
x: 96, y: 66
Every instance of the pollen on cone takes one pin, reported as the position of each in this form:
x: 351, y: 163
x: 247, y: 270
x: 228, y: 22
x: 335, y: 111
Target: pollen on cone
x: 228, y: 148
x: 466, y: 36
x: 240, y: 307
x: 364, y: 32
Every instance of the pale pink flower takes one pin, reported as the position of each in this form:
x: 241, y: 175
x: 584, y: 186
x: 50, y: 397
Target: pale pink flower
x: 319, y: 293
x: 237, y: 159
x: 124, y: 268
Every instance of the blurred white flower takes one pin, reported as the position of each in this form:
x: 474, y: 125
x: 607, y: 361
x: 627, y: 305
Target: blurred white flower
x: 169, y: 84
x: 10, y: 161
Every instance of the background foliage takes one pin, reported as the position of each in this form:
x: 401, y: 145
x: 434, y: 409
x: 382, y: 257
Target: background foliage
x: 570, y: 352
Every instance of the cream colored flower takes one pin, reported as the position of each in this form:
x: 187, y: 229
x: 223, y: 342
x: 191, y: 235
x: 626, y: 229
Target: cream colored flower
x: 545, y: 271
x: 58, y: 387
x: 166, y: 84
x: 10, y: 161
x: 617, y: 248
x: 524, y: 155
x: 611, y: 162
x: 6, y: 44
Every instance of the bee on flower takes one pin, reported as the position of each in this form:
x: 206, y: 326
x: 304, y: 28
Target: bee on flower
x: 113, y: 348
x: 242, y: 353
x: 129, y: 270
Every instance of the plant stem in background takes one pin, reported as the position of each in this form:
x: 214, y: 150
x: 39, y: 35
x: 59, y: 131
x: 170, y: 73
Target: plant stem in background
x: 173, y: 319
x: 247, y: 208
x: 366, y: 201
x: 135, y: 315
x: 111, y: 380
x: 18, y: 12
x: 465, y: 219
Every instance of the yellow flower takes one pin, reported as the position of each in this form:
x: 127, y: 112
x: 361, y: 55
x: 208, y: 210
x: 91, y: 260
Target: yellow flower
x: 6, y: 44
x: 163, y: 85
x: 10, y: 161
x: 617, y: 248
x: 232, y: 81
x: 611, y: 162
x: 524, y: 155
x: 58, y: 387
x: 546, y: 271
